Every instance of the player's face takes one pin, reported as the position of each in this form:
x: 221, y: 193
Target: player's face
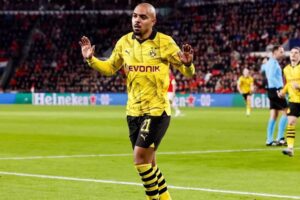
x: 279, y: 54
x: 295, y: 56
x: 246, y: 72
x: 142, y: 21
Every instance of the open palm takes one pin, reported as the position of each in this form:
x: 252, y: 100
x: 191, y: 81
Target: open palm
x: 186, y: 55
x: 87, y: 49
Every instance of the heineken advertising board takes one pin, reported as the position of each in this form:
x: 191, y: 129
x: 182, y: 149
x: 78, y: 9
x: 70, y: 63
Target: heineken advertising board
x: 183, y: 100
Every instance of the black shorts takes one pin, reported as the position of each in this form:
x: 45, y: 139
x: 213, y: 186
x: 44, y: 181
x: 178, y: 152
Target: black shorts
x: 276, y: 102
x: 294, y: 109
x: 245, y: 95
x: 147, y: 130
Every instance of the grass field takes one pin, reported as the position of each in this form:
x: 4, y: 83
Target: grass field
x: 72, y: 153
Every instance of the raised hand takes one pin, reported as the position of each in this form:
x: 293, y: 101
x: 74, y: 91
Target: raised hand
x: 87, y: 49
x: 186, y: 55
x: 281, y: 94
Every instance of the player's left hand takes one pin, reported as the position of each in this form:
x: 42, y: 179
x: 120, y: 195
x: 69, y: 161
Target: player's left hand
x: 186, y: 55
x: 295, y: 86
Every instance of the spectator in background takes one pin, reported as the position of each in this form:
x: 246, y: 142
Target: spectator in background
x: 226, y: 31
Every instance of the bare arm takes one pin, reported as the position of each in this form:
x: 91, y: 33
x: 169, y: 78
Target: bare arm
x: 252, y: 88
x: 238, y: 86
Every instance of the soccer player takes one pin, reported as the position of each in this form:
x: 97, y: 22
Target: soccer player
x: 145, y: 55
x: 274, y: 77
x: 292, y: 87
x: 172, y: 94
x: 245, y: 87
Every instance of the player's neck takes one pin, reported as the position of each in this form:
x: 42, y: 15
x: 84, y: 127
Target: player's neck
x: 293, y: 64
x: 274, y: 57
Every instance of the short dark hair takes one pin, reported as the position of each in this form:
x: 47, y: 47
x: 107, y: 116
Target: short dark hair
x: 297, y: 48
x: 275, y: 48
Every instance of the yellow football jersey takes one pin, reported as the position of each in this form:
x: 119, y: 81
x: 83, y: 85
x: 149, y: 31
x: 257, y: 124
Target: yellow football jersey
x: 292, y: 75
x: 146, y: 64
x: 245, y: 84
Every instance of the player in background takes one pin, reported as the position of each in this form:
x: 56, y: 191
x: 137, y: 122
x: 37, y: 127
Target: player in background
x: 245, y: 86
x: 172, y: 94
x: 278, y: 105
x: 292, y: 88
x: 146, y: 56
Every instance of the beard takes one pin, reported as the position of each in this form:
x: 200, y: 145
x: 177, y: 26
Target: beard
x: 137, y: 32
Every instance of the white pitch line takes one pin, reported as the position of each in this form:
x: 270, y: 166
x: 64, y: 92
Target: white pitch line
x: 137, y: 184
x: 64, y: 156
x: 130, y: 154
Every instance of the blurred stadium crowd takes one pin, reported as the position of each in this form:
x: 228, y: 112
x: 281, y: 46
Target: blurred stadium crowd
x: 47, y: 55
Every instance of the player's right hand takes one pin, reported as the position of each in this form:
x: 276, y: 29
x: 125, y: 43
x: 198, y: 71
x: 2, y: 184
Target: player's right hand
x: 186, y: 55
x: 295, y: 86
x: 281, y: 94
x: 87, y: 49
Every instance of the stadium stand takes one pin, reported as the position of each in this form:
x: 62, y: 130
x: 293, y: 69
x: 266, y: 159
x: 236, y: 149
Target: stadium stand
x: 223, y: 36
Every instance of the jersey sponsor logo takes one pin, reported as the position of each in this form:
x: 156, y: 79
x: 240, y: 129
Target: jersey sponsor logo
x: 142, y: 68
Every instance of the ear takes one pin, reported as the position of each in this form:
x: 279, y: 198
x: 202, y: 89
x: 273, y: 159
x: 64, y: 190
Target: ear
x: 154, y: 21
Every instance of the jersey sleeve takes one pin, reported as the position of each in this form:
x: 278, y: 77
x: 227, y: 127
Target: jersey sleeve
x: 172, y: 51
x: 110, y: 66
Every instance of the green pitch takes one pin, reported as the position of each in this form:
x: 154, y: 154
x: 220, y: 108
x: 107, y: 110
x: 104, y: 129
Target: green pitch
x: 80, y: 153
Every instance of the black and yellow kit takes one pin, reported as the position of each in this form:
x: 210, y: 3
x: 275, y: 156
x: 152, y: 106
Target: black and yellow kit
x: 245, y: 84
x: 292, y: 76
x: 146, y: 64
